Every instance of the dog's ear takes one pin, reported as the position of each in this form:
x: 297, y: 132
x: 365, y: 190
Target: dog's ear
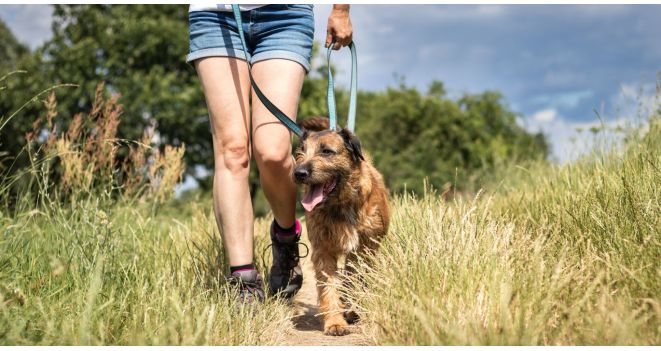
x: 304, y: 135
x: 352, y: 144
x: 302, y: 138
x: 315, y: 124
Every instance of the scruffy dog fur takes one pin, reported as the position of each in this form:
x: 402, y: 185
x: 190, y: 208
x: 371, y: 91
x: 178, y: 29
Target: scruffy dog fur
x: 346, y: 205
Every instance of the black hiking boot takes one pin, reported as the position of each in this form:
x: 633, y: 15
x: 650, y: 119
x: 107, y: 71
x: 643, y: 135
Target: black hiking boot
x: 286, y: 276
x: 250, y: 284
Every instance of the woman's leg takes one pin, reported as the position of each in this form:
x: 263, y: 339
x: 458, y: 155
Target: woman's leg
x: 226, y: 87
x: 281, y: 81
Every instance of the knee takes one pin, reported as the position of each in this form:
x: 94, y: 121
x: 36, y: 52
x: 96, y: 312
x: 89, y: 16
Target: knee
x: 274, y: 159
x: 234, y: 157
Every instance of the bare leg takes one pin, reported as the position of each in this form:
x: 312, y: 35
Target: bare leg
x: 281, y: 81
x: 226, y: 87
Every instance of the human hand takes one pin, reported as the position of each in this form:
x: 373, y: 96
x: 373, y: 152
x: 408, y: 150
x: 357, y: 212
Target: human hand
x: 339, y: 27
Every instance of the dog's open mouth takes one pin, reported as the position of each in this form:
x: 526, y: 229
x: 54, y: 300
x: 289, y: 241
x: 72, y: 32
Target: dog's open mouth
x: 317, y: 193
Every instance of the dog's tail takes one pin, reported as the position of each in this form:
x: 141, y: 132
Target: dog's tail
x: 315, y: 124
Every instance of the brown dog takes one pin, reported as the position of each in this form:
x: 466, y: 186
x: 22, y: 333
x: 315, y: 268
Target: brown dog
x: 346, y: 204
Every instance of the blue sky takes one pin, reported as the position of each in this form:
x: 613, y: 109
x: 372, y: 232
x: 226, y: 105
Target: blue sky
x: 555, y: 64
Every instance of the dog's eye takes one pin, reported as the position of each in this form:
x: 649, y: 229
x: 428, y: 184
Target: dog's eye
x: 327, y: 152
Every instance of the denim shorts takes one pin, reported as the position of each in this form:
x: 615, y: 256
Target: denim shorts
x: 271, y: 32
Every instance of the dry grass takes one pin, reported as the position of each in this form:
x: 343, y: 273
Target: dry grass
x: 559, y: 256
x: 84, y: 275
x: 87, y: 264
x: 84, y: 160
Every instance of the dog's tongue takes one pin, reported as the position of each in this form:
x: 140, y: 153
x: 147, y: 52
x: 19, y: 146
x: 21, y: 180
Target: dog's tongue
x: 313, y: 197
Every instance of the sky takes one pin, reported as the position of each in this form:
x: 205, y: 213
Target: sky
x: 558, y: 66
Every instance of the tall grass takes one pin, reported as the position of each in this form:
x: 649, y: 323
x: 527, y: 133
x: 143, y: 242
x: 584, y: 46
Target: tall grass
x: 559, y: 256
x: 90, y: 253
x: 82, y: 274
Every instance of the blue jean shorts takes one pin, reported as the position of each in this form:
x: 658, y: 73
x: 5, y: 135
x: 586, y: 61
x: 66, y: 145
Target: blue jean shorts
x: 272, y: 32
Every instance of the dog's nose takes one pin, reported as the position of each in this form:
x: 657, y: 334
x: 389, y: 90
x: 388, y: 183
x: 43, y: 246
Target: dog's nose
x: 301, y: 173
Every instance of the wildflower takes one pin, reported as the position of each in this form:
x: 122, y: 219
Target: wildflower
x: 102, y: 217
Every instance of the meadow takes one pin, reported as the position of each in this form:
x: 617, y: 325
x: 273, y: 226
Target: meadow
x: 552, y: 256
x: 542, y: 255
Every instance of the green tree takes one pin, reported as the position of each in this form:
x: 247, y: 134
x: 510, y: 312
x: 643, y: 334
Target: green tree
x: 413, y: 136
x: 11, y: 51
x: 139, y: 51
x: 13, y: 56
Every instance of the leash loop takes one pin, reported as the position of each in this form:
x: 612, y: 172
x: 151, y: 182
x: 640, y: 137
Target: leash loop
x: 332, y: 113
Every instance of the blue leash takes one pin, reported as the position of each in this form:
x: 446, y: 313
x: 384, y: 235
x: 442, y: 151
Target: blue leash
x: 288, y: 122
x: 332, y: 114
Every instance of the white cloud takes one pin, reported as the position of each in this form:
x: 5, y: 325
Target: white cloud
x: 567, y: 99
x: 636, y: 101
x: 600, y: 12
x: 570, y: 140
x: 562, y: 78
x: 492, y: 10
x: 547, y: 115
x: 628, y: 91
x: 454, y: 13
x: 439, y: 49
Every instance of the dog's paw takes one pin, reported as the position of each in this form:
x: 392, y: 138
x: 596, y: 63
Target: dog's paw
x: 336, y: 329
x: 351, y: 317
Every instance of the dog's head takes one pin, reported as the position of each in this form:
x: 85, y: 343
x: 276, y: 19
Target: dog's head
x: 324, y: 161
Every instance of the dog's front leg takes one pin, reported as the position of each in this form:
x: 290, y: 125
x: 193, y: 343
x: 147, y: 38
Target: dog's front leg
x: 325, y: 266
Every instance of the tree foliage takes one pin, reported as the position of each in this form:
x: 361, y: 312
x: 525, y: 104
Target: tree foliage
x: 11, y: 51
x: 412, y: 135
x: 139, y: 52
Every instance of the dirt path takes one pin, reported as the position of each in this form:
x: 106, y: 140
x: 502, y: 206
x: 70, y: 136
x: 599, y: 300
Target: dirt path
x: 308, y: 328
